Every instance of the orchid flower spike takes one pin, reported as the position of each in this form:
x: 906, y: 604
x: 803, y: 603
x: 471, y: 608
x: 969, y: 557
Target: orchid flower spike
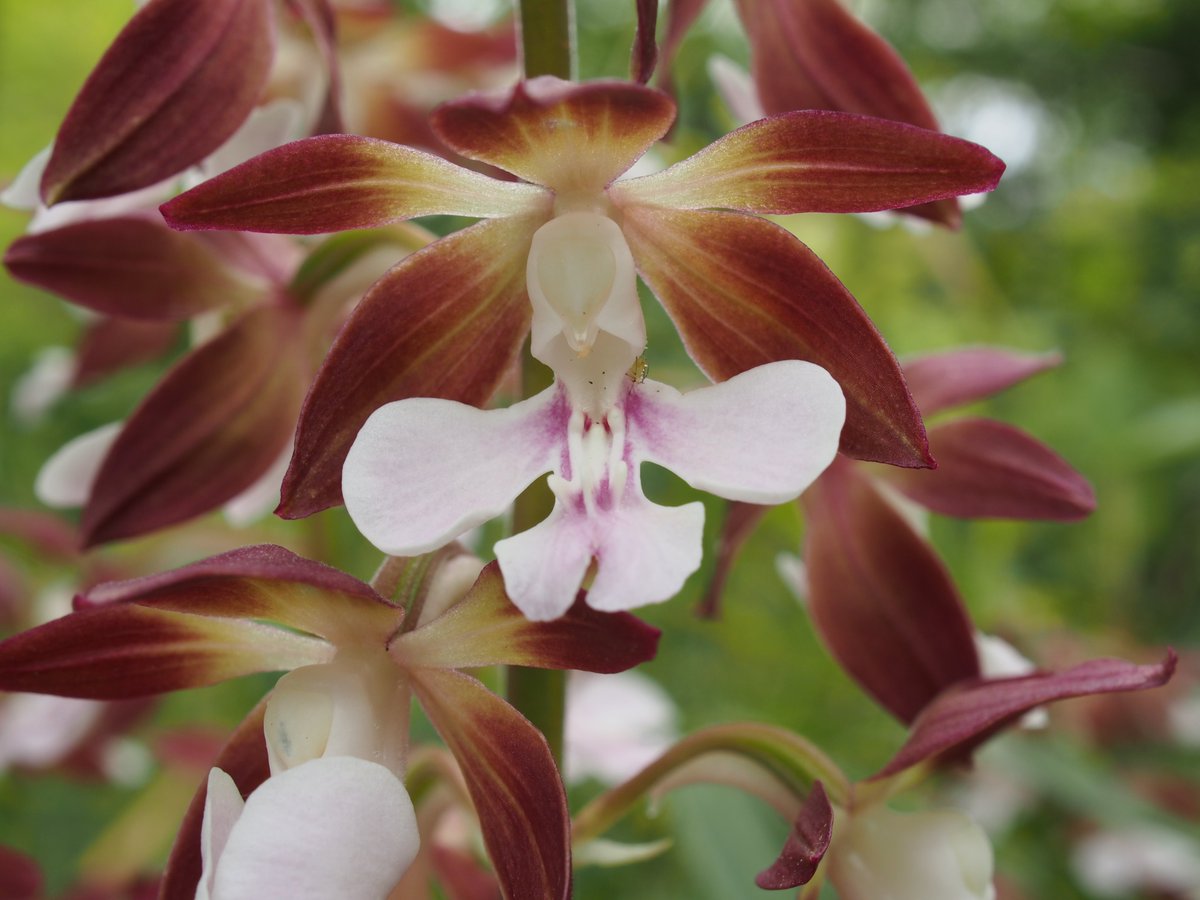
x: 423, y: 471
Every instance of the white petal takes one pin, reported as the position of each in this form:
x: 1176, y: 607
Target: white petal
x: 423, y: 471
x: 544, y: 566
x: 762, y: 436
x: 24, y: 191
x: 646, y: 552
x: 223, y: 805
x: 335, y: 827
x: 43, y: 383
x: 66, y: 478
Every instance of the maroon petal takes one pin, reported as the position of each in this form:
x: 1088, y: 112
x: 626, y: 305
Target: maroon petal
x: 571, y: 137
x: 132, y: 267
x: 244, y: 759
x: 178, y: 81
x: 805, y: 847
x: 128, y: 650
x: 337, y: 182
x: 461, y: 876
x: 968, y: 714
x: 879, y: 596
x: 111, y: 345
x: 514, y: 784
x: 485, y: 629
x: 20, y: 876
x: 645, y: 49
x: 943, y: 380
x: 989, y: 470
x: 819, y: 161
x: 815, y: 54
x: 262, y: 582
x: 445, y: 322
x: 216, y: 423
x: 740, y: 521
x: 744, y: 292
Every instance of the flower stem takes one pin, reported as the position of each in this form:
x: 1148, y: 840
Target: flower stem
x: 547, y: 35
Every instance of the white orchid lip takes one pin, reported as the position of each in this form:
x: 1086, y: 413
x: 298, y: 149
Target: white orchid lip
x: 578, y: 262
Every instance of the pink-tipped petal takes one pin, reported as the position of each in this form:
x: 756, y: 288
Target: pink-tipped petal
x: 445, y: 322
x: 744, y: 292
x: 423, y: 471
x: 940, y: 381
x: 968, y: 714
x: 513, y: 781
x: 485, y: 629
x: 340, y: 181
x: 760, y: 437
x: 818, y: 161
x: 879, y: 596
x: 177, y: 82
x: 132, y: 267
x: 570, y: 137
x: 990, y: 470
x: 331, y: 827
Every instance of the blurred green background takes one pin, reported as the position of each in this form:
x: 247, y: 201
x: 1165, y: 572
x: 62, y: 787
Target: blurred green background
x: 1091, y: 246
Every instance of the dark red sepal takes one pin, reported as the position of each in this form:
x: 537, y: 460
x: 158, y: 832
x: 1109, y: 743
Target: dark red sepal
x: 805, y: 847
x: 960, y: 719
x: 176, y: 84
x: 879, y: 596
x: 513, y: 781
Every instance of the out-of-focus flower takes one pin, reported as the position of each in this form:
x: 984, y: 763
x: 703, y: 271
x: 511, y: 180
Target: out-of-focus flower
x: 1118, y: 862
x: 615, y: 725
x: 742, y: 291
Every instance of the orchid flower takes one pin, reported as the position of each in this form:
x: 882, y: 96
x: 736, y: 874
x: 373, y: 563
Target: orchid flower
x: 743, y: 292
x: 844, y: 831
x: 762, y: 436
x: 338, y: 721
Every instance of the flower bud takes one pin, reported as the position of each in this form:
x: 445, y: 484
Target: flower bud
x: 911, y: 856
